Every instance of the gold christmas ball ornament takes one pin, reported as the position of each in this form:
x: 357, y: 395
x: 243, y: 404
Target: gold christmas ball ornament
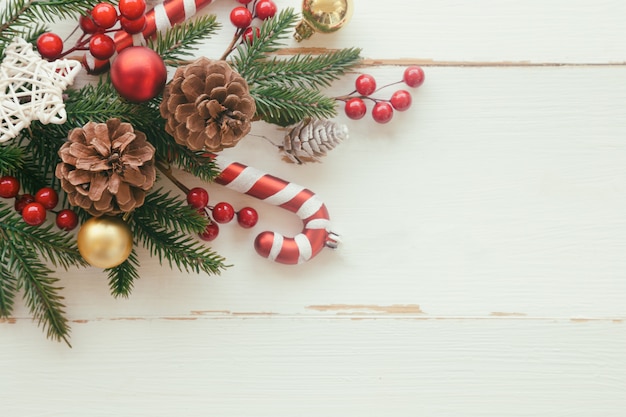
x: 323, y: 16
x: 105, y: 242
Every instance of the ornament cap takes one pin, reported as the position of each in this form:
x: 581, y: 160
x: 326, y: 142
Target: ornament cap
x: 303, y: 31
x: 323, y: 16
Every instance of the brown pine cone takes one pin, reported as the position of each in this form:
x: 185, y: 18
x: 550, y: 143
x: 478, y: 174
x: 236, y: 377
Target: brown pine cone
x: 207, y: 106
x: 106, y: 168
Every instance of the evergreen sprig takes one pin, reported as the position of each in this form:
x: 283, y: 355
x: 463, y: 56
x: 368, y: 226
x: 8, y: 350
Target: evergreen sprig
x: 123, y: 276
x: 182, y: 40
x: 172, y: 212
x: 283, y: 106
x: 11, y: 158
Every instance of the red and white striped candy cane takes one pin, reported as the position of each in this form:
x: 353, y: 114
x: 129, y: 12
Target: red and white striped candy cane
x: 162, y: 17
x: 316, y: 233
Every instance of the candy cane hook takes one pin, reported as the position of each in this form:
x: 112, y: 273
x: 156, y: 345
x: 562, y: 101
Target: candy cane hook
x: 316, y: 233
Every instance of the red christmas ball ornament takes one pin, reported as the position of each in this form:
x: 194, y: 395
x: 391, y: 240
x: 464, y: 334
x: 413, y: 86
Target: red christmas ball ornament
x: 138, y: 74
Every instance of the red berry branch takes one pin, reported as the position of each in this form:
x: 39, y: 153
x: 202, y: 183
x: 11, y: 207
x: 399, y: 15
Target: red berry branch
x: 242, y: 17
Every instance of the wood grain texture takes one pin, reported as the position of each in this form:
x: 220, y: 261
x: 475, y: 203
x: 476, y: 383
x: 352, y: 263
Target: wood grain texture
x: 482, y: 269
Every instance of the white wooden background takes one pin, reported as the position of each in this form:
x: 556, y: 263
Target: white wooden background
x: 483, y: 265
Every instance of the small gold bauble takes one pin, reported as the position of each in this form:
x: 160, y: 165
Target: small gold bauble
x: 105, y: 242
x: 324, y: 16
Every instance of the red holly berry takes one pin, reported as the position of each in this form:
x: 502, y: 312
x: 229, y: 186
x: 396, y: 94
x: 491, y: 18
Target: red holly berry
x: 87, y: 24
x: 47, y: 197
x: 250, y: 33
x: 355, y: 108
x: 104, y: 15
x: 210, y: 233
x: 244, y: 1
x: 198, y: 198
x: 241, y: 17
x: 365, y: 84
x: 247, y: 217
x: 9, y: 186
x: 101, y: 46
x: 401, y: 100
x: 34, y: 214
x: 132, y: 9
x: 382, y: 112
x: 49, y: 45
x: 223, y: 212
x: 22, y: 201
x: 413, y: 76
x: 66, y: 220
x: 133, y: 26
x: 265, y: 9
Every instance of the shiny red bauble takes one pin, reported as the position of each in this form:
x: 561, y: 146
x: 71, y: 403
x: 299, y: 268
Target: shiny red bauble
x: 401, y: 100
x: 34, y: 214
x: 22, y: 201
x: 210, y: 233
x: 247, y: 217
x: 9, y: 186
x: 355, y: 108
x: 413, y: 76
x: 138, y: 74
x: 223, y: 212
x: 66, y: 220
x: 365, y: 84
x: 47, y: 197
x: 241, y: 17
x: 198, y: 198
x: 104, y: 15
x: 101, y: 46
x: 49, y: 45
x: 265, y: 9
x: 382, y: 112
x: 132, y: 9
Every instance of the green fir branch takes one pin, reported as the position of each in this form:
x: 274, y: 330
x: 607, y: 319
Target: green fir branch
x: 11, y: 159
x: 8, y: 285
x: 305, y: 71
x: 285, y: 106
x: 180, y: 41
x: 171, y: 212
x: 123, y: 276
x: 179, y: 249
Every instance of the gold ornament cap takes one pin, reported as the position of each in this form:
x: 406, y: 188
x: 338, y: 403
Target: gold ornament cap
x: 105, y: 242
x: 323, y: 16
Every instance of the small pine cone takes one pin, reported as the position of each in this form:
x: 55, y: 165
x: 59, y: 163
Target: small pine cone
x: 207, y: 106
x: 106, y: 168
x: 312, y: 138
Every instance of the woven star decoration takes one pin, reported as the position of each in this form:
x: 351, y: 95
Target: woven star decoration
x: 31, y: 88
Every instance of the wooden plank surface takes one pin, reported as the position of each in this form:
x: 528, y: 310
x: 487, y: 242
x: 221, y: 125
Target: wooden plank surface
x: 482, y: 269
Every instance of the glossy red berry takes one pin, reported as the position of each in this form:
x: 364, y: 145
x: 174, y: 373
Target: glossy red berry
x: 247, y: 217
x: 249, y: 35
x: 223, y: 212
x: 244, y: 1
x: 104, y: 15
x: 9, y: 186
x: 355, y: 108
x: 365, y: 84
x: 48, y: 197
x: 241, y: 17
x: 382, y: 112
x: 265, y: 9
x: 22, y: 201
x: 198, y: 198
x: 211, y: 232
x: 34, y: 214
x: 87, y: 24
x: 101, y: 46
x: 49, y: 45
x: 132, y: 9
x: 401, y: 100
x: 133, y: 26
x: 66, y: 220
x: 414, y: 76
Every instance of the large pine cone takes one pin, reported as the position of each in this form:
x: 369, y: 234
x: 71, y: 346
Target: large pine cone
x: 107, y: 167
x: 207, y: 106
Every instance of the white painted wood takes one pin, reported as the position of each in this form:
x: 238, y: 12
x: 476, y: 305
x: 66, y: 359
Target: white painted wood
x: 482, y: 267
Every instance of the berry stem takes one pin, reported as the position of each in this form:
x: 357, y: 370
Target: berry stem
x: 231, y: 47
x: 167, y: 171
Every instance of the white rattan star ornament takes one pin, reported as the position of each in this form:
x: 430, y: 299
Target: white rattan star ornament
x: 31, y: 88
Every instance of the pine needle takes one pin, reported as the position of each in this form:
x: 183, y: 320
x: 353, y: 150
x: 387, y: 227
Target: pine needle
x: 123, y: 276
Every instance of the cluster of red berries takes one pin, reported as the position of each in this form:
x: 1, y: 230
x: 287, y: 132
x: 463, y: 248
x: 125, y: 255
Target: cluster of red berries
x: 33, y: 207
x: 382, y: 112
x: 95, y: 25
x: 242, y: 16
x: 222, y: 212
